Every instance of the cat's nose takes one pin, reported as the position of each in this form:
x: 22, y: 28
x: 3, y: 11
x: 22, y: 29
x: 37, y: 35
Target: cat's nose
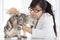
x: 31, y: 26
x: 19, y: 28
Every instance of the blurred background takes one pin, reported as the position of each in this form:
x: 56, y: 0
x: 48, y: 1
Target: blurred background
x: 22, y: 6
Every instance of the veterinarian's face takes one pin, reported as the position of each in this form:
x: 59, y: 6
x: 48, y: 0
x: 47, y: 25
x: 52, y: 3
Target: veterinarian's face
x: 36, y: 11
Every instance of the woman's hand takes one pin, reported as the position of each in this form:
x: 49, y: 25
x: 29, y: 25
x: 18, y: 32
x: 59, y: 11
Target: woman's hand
x: 14, y: 24
x: 24, y: 27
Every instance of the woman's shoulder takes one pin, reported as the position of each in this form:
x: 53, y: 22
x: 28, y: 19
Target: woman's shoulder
x: 47, y: 15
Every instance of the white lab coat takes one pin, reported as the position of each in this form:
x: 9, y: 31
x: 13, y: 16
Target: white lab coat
x: 44, y: 29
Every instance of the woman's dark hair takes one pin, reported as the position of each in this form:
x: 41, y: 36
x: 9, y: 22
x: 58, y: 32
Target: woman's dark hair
x: 46, y: 6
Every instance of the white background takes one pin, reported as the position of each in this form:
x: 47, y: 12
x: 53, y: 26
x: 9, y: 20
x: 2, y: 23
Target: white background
x: 22, y: 6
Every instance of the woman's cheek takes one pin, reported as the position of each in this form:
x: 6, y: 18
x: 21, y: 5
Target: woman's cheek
x: 40, y: 13
x: 32, y: 13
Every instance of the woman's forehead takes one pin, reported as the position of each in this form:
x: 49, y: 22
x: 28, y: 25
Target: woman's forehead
x: 37, y: 7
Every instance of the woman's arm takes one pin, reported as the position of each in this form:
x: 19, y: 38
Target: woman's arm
x: 27, y: 29
x: 44, y: 30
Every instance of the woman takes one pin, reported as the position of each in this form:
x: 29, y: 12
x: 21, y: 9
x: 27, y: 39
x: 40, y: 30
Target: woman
x: 46, y: 26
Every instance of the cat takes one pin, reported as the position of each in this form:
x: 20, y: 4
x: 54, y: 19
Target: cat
x: 23, y: 19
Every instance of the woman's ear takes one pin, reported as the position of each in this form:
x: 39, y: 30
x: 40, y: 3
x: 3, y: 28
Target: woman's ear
x: 43, y: 11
